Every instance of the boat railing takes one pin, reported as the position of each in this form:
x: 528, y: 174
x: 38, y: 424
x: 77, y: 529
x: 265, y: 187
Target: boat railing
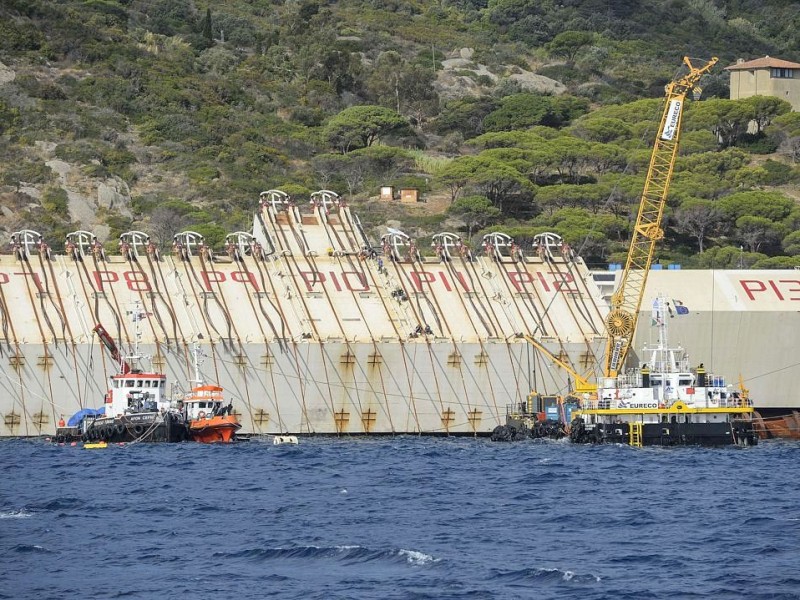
x: 519, y: 410
x: 630, y: 379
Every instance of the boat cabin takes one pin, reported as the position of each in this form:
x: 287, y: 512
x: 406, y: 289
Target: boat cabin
x: 136, y: 393
x: 203, y: 402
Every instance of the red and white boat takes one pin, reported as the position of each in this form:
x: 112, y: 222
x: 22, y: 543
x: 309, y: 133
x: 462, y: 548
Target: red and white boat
x: 210, y: 418
x: 136, y: 407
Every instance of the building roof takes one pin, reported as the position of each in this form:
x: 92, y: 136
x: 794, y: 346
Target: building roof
x: 768, y: 62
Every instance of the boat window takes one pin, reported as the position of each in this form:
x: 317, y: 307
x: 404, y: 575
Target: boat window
x: 129, y: 383
x: 163, y: 383
x: 139, y: 383
x: 684, y: 382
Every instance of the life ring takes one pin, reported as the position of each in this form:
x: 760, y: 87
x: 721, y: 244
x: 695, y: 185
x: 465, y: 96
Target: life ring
x: 201, y: 414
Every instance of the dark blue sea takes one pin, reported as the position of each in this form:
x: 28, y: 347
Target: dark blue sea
x: 401, y: 517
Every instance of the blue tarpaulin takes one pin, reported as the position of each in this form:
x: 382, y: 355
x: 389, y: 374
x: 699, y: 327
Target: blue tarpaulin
x: 79, y: 416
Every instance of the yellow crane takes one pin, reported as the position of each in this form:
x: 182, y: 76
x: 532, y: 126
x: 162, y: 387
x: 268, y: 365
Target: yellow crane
x: 627, y: 299
x: 582, y: 384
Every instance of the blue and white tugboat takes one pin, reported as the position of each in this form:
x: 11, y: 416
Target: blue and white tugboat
x: 665, y: 403
x: 137, y: 408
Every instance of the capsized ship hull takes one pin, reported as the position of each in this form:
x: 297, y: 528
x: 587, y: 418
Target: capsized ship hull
x: 310, y: 328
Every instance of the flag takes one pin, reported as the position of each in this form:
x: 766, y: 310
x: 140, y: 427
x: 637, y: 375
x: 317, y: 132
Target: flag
x: 655, y: 315
x: 679, y: 307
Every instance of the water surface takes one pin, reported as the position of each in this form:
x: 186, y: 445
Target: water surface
x: 401, y: 517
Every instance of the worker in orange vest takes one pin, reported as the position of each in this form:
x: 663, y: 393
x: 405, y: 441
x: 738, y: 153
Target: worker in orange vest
x: 61, y: 422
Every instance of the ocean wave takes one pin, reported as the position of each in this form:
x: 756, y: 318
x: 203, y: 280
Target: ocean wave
x: 31, y: 549
x: 16, y: 514
x: 65, y: 503
x: 346, y: 554
x: 547, y: 575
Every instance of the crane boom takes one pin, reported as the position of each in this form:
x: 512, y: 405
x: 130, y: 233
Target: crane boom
x: 581, y: 383
x: 627, y: 299
x: 108, y: 342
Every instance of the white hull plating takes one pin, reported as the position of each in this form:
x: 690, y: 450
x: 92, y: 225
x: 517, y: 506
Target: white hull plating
x: 305, y: 331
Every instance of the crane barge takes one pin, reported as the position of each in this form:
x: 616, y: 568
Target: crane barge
x: 664, y: 402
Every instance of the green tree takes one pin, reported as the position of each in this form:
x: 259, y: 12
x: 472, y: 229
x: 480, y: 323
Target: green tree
x: 214, y: 234
x: 475, y: 211
x: 465, y: 115
x: 569, y: 43
x: 777, y: 262
x: 698, y: 219
x: 765, y: 109
x: 728, y: 119
x: 758, y: 231
x: 773, y: 206
x: 493, y: 176
x: 361, y: 126
x: 601, y: 129
x: 727, y: 257
x: 525, y: 110
x: 785, y: 126
x: 719, y: 164
x: 206, y: 26
x: 791, y: 243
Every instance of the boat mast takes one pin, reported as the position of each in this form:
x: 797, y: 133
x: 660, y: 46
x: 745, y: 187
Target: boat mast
x: 137, y: 314
x: 198, y: 379
x: 663, y: 357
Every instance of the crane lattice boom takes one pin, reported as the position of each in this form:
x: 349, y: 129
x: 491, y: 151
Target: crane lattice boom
x: 627, y: 300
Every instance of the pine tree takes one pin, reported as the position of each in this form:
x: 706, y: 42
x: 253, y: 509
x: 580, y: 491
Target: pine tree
x: 207, y: 31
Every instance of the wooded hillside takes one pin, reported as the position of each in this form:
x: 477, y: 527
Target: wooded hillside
x: 166, y: 115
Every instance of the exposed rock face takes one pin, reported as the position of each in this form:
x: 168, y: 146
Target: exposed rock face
x: 84, y: 194
x: 462, y: 77
x: 114, y: 194
x: 7, y: 75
